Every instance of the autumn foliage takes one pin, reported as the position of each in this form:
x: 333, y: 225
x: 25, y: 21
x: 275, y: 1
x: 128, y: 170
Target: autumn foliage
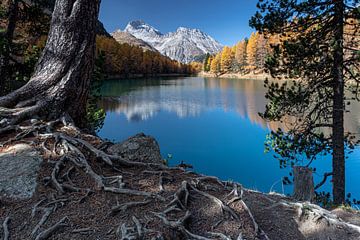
x: 126, y: 60
x: 247, y: 56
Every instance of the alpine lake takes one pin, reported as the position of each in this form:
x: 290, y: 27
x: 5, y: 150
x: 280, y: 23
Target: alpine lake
x: 212, y: 124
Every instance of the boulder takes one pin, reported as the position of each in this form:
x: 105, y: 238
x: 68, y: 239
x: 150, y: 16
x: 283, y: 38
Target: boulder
x: 19, y: 167
x: 140, y: 148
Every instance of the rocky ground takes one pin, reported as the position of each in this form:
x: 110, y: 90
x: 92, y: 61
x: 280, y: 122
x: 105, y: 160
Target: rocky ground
x: 123, y: 191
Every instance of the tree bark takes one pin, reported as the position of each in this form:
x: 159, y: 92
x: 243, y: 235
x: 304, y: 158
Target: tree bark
x: 61, y: 80
x: 338, y: 107
x: 303, y: 184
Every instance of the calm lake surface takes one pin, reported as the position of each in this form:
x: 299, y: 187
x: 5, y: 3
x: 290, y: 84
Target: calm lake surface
x: 212, y: 124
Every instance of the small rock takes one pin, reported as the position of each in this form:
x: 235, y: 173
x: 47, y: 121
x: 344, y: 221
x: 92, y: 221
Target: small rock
x: 140, y: 148
x: 19, y: 167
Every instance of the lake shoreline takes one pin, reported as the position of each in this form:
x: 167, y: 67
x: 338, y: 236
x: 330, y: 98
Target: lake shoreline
x: 143, y: 76
x: 260, y: 76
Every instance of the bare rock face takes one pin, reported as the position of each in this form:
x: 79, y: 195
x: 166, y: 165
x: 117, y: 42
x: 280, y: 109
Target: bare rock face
x: 125, y: 37
x: 19, y: 167
x: 140, y: 148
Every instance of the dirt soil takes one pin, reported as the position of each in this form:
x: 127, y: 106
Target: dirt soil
x: 156, y: 202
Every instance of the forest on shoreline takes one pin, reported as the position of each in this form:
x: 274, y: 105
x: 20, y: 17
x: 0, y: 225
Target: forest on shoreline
x: 247, y: 56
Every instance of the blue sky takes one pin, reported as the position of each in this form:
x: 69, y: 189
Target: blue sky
x: 225, y: 20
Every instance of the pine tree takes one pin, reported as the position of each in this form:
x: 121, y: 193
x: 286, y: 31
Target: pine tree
x: 211, y: 58
x: 261, y: 51
x: 206, y: 64
x: 313, y: 43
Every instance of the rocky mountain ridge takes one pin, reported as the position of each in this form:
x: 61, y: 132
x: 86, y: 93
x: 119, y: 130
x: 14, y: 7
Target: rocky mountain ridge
x: 124, y: 37
x: 184, y: 45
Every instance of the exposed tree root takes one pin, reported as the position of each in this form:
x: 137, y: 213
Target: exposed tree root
x: 50, y: 231
x: 82, y: 230
x: 161, y: 183
x: 35, y: 208
x: 171, y: 209
x: 217, y: 201
x: 219, y: 235
x: 125, y: 206
x: 181, y: 196
x: 70, y: 156
x: 179, y: 225
x: 43, y: 219
x: 130, y: 192
x: 6, y: 228
x: 55, y: 173
x: 321, y: 214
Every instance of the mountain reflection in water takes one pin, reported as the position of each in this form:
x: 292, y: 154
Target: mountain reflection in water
x: 212, y: 124
x: 192, y: 96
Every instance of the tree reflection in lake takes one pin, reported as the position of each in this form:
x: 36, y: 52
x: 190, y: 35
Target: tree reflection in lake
x: 211, y: 123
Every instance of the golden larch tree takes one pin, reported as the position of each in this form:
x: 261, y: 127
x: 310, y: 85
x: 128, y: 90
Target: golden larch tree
x: 226, y: 60
x: 240, y: 55
x: 215, y: 64
x: 251, y: 52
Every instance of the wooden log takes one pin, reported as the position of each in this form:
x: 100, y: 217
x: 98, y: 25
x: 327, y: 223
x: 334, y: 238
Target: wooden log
x: 303, y: 184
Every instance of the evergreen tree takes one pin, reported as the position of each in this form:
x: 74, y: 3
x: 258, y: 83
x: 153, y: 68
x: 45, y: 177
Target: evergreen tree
x: 314, y: 50
x: 261, y: 51
x: 206, y: 64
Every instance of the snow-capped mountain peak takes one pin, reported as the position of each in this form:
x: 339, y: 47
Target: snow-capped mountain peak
x: 144, y: 31
x: 184, y: 45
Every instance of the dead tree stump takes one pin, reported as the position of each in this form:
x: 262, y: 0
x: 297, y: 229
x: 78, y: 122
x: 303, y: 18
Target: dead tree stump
x: 303, y: 184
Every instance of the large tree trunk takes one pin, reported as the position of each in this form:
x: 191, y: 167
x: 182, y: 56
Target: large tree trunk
x: 62, y: 77
x: 338, y: 108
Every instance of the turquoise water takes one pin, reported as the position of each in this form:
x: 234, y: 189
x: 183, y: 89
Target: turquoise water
x: 212, y: 124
